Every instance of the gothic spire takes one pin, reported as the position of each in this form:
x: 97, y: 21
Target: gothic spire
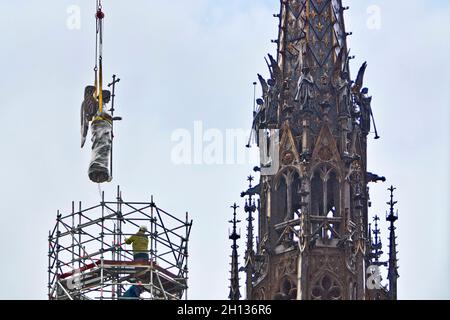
x: 234, y: 279
x: 393, y: 275
x: 376, y: 244
x: 312, y: 34
x: 319, y: 120
x: 249, y: 208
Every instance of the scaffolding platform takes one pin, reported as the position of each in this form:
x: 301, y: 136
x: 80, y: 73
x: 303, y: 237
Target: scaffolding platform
x: 88, y: 260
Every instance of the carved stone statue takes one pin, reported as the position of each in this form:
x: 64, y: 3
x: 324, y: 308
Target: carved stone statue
x: 273, y: 98
x: 305, y: 88
x: 275, y: 87
x: 343, y: 89
x: 89, y: 109
x: 366, y: 110
x: 264, y: 102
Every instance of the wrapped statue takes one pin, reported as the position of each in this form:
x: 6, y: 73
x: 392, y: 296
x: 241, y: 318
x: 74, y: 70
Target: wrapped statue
x: 101, y: 127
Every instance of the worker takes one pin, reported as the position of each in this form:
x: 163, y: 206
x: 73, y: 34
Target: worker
x: 140, y: 244
x: 140, y: 254
x: 134, y: 292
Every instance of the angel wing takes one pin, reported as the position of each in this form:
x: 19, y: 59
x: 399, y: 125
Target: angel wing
x: 360, y: 79
x: 264, y: 86
x: 84, y: 126
x: 275, y: 68
x: 88, y: 110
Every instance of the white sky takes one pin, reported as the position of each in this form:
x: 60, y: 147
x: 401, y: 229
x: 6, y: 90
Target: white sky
x: 181, y: 61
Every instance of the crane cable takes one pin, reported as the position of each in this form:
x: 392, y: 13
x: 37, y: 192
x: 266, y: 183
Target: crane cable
x: 98, y: 69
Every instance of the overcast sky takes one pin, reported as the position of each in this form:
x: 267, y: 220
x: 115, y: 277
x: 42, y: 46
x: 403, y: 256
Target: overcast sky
x: 183, y: 61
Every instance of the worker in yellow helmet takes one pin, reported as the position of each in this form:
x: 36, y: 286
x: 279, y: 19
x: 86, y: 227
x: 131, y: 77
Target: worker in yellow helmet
x: 140, y: 244
x: 140, y: 253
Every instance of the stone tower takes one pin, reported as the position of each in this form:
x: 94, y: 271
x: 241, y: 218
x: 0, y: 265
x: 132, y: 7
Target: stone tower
x: 313, y: 122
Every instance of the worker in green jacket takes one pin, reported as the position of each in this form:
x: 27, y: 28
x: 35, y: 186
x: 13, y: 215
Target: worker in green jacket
x: 140, y: 244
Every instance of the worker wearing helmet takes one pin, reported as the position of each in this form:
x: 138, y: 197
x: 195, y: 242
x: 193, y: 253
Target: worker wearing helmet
x: 140, y: 253
x: 140, y: 244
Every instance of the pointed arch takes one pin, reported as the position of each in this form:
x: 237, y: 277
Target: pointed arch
x: 287, y: 183
x: 279, y: 175
x: 325, y: 190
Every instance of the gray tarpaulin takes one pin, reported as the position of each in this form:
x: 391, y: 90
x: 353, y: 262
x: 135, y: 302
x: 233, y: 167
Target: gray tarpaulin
x: 101, y: 128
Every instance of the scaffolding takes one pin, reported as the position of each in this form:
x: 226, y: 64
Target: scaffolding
x: 88, y: 259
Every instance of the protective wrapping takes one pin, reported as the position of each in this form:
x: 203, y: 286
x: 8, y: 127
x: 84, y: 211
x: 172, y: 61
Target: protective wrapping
x: 101, y: 129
